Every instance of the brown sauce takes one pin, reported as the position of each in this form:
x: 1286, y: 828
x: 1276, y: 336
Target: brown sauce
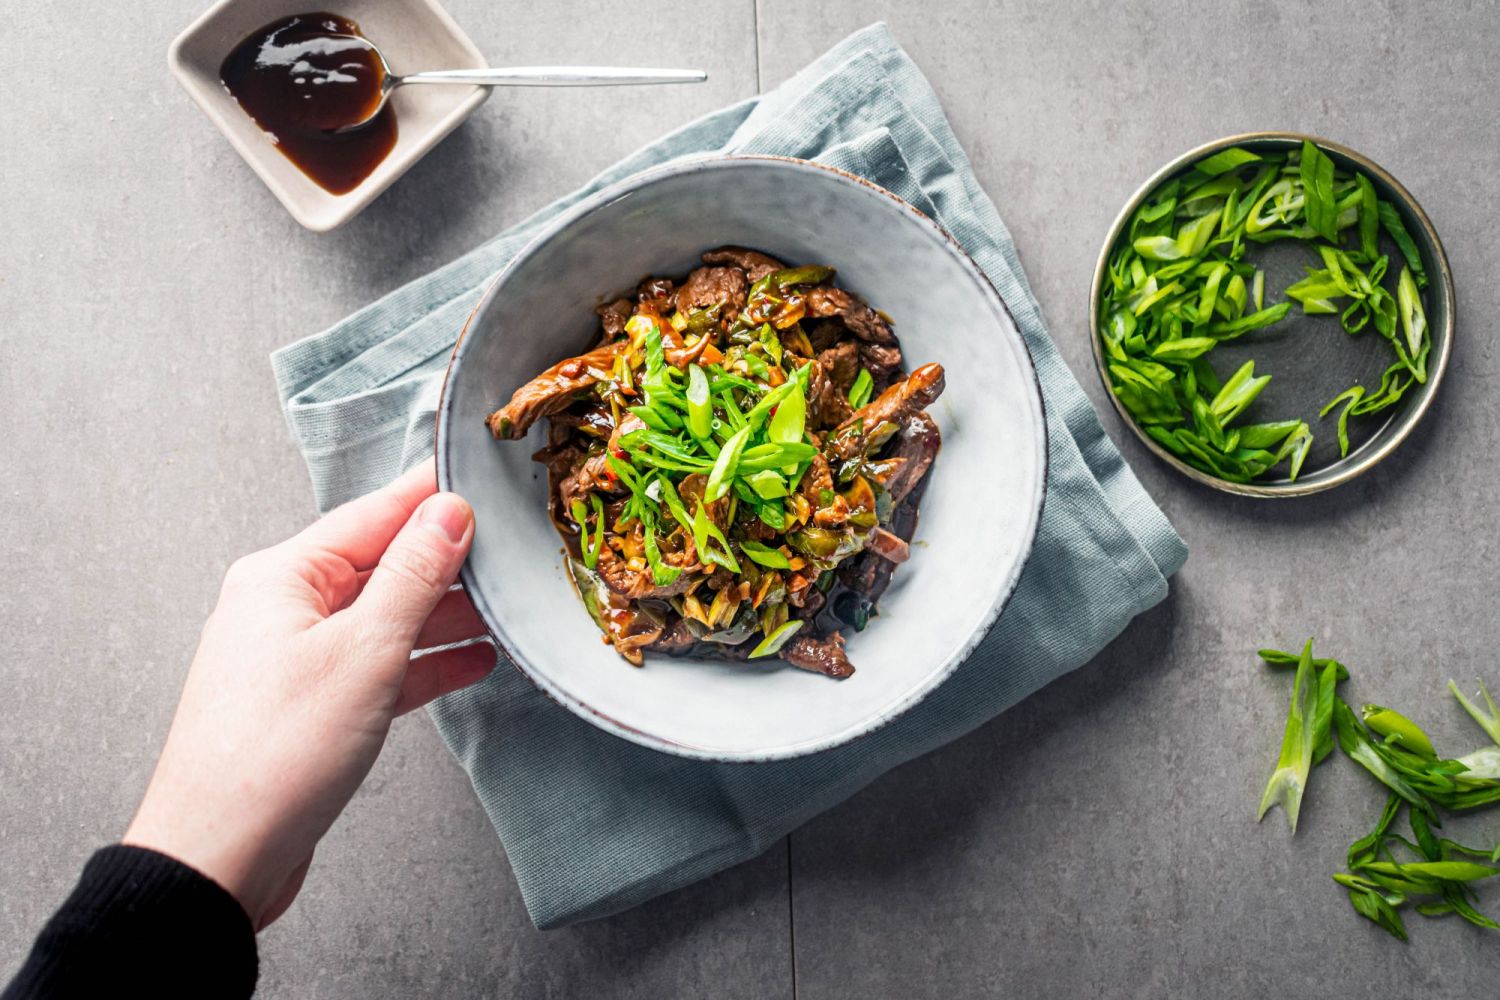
x: 300, y: 78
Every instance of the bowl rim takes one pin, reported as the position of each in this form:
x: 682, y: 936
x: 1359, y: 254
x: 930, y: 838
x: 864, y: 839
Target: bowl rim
x: 893, y: 710
x: 1379, y: 447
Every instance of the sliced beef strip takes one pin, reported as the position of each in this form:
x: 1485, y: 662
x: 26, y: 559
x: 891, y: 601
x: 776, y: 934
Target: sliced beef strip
x: 636, y: 585
x: 823, y: 655
x: 711, y: 286
x: 828, y: 389
x: 551, y: 391
x: 888, y: 546
x: 755, y: 264
x: 883, y: 361
x: 862, y: 321
x: 655, y: 292
x: 915, y: 392
x: 590, y: 476
x: 917, y: 443
x: 841, y: 363
x: 676, y: 639
x: 859, y: 581
x: 594, y: 472
x: 824, y: 333
x: 613, y: 316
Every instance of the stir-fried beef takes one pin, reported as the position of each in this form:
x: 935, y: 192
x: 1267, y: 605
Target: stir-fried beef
x: 914, y: 449
x: 613, y: 316
x: 828, y: 389
x: 551, y: 391
x: 755, y: 264
x: 782, y: 545
x: 621, y: 575
x: 915, y: 392
x: 862, y: 321
x: 883, y: 361
x: 820, y: 654
x: 888, y: 546
x: 707, y: 287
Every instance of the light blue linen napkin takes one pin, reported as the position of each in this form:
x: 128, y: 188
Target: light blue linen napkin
x: 593, y: 824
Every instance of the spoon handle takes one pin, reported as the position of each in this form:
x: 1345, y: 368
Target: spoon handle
x: 557, y: 76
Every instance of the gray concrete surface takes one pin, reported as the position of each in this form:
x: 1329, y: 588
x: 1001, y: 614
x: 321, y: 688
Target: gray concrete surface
x: 1098, y: 840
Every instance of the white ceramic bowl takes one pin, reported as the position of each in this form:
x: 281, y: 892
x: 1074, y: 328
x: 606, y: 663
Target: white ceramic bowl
x: 413, y: 35
x: 978, y: 518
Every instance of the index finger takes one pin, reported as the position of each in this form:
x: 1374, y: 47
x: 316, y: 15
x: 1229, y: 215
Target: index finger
x: 360, y: 531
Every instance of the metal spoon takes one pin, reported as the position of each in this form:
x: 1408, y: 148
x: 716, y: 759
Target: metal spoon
x: 519, y: 76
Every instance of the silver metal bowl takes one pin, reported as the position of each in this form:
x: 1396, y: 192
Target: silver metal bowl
x: 1310, y: 358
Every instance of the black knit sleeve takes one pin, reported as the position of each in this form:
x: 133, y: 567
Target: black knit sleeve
x: 141, y: 924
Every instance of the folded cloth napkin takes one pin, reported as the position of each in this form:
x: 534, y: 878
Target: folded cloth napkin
x: 593, y: 824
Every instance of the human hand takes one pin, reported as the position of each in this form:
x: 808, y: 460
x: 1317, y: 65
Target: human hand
x: 300, y: 670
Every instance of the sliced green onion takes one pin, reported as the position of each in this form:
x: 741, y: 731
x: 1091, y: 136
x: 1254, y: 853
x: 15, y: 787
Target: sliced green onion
x: 725, y: 465
x: 758, y: 413
x: 1183, y: 349
x: 859, y: 392
x: 661, y: 573
x: 590, y: 551
x: 1289, y: 780
x: 1390, y: 221
x: 790, y: 419
x: 1225, y: 160
x: 700, y: 406
x: 771, y: 644
x: 704, y: 531
x: 767, y: 484
x: 774, y: 456
x: 1397, y: 728
x: 1413, y: 317
x: 1488, y: 721
x: 1317, y: 189
x: 764, y: 555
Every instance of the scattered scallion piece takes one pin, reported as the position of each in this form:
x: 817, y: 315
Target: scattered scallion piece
x: 1436, y: 875
x: 1179, y: 283
x: 1488, y: 721
x: 1289, y: 780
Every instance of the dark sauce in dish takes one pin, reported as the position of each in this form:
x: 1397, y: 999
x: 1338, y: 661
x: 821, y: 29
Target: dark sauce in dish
x: 304, y: 76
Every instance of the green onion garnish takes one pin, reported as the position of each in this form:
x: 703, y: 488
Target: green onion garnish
x: 700, y: 409
x: 765, y: 555
x: 705, y: 531
x: 771, y: 644
x: 661, y: 573
x: 725, y: 464
x: 767, y: 484
x: 859, y: 392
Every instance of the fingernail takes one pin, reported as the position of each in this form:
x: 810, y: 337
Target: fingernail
x: 449, y: 513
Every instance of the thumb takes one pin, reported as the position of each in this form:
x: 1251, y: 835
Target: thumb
x: 418, y: 567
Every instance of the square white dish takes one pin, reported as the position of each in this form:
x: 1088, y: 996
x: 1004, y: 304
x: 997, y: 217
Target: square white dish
x: 413, y: 35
